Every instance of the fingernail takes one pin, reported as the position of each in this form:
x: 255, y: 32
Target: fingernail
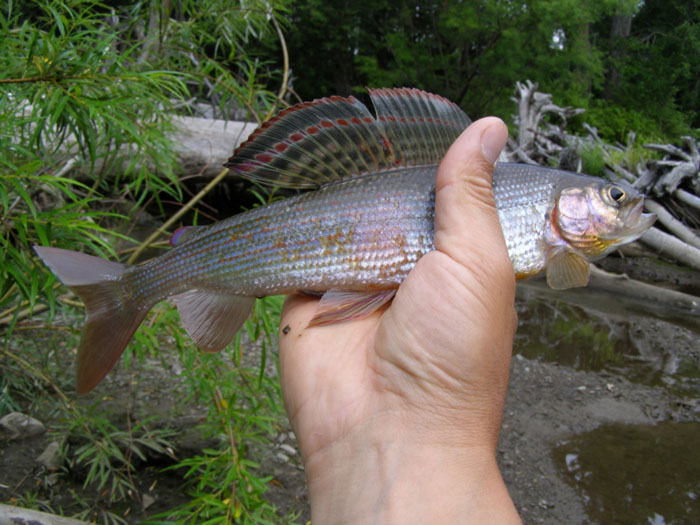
x: 492, y: 142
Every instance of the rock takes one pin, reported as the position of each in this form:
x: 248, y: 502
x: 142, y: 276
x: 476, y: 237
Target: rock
x: 147, y: 501
x: 16, y: 425
x: 288, y: 449
x: 51, y: 456
x: 53, y: 478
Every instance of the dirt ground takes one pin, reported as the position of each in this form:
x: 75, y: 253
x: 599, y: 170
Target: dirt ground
x: 548, y: 405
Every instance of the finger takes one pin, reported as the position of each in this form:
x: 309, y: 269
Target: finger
x: 466, y: 221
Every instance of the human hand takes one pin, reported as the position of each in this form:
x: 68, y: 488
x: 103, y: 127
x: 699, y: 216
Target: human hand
x: 397, y: 415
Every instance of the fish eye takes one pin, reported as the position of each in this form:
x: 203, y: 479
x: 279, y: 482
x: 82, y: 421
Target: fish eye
x: 614, y: 194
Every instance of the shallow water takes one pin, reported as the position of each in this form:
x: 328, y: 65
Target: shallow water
x: 635, y: 473
x: 602, y: 334
x: 624, y: 473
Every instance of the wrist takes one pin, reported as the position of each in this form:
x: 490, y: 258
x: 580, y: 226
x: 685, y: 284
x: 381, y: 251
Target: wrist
x: 397, y: 477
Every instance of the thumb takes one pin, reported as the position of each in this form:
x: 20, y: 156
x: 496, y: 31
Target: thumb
x: 466, y: 221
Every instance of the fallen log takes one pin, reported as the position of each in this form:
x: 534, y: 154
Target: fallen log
x: 671, y: 246
x: 10, y: 515
x: 203, y: 145
x: 673, y: 225
x: 617, y: 294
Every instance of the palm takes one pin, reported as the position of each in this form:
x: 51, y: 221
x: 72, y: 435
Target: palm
x: 324, y: 372
x: 338, y: 377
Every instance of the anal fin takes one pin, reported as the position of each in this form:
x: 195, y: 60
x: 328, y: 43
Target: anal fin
x: 212, y: 318
x: 567, y: 270
x: 337, y: 306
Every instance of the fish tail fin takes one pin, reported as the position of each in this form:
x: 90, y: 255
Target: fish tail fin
x: 112, y: 315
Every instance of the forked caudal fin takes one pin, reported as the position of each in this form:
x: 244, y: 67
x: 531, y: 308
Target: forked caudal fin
x: 112, y: 316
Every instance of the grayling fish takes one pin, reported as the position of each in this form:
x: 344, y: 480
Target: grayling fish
x: 354, y: 238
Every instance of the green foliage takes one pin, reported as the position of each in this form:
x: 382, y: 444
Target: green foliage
x: 87, y: 91
x: 474, y: 52
x: 107, y: 452
x: 593, y: 161
x: 222, y: 481
x: 659, y: 64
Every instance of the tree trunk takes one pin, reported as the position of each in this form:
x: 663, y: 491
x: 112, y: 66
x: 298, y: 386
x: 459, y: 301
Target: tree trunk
x: 619, y: 30
x: 583, y: 42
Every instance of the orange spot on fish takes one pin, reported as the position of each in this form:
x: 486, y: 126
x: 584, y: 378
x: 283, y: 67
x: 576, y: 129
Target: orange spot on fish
x: 526, y: 275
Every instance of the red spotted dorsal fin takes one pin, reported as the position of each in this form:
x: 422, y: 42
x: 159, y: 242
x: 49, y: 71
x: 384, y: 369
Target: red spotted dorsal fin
x: 326, y: 140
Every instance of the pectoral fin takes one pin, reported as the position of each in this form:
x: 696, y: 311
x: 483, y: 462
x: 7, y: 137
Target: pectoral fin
x: 336, y: 306
x: 212, y: 318
x: 567, y: 270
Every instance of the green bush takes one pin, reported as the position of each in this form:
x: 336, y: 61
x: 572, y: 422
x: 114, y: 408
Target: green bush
x: 614, y: 122
x: 87, y: 91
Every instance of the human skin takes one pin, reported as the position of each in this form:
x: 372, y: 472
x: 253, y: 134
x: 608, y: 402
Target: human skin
x: 397, y: 415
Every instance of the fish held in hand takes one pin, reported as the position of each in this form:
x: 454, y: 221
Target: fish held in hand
x: 353, y: 238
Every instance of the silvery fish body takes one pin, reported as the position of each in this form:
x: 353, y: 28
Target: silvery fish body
x: 354, y: 234
x: 354, y: 238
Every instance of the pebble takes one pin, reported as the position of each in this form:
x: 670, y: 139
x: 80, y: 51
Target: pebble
x: 51, y: 456
x: 147, y: 501
x: 16, y: 425
x: 289, y: 449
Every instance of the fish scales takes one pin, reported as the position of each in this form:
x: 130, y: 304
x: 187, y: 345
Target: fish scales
x: 525, y: 197
x: 365, y: 231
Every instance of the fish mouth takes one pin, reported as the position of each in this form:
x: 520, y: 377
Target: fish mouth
x: 635, y: 222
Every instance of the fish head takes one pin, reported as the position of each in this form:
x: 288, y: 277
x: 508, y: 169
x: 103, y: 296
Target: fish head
x: 595, y: 217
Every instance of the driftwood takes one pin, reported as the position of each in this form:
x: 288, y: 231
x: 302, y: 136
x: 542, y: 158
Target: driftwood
x: 203, y: 145
x: 10, y: 515
x: 613, y: 293
x: 537, y: 141
x: 672, y: 247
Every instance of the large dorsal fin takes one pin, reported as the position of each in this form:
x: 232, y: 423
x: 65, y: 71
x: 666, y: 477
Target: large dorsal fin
x: 314, y: 143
